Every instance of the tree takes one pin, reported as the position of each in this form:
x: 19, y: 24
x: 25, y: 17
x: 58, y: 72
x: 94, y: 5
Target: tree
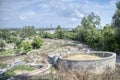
x: 48, y: 35
x: 2, y: 45
x: 58, y: 27
x: 28, y: 31
x: 116, y: 16
x: 18, y: 43
x: 91, y: 20
x: 88, y: 28
x: 11, y: 39
x: 116, y: 24
x: 109, y: 38
x: 59, y: 32
x: 79, y: 33
x: 37, y: 42
x: 14, y: 33
x: 5, y: 34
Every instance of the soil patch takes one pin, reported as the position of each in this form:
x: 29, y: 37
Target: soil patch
x: 82, y: 57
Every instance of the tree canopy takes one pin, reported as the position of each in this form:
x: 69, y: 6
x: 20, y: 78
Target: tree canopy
x: 91, y: 20
x: 116, y: 16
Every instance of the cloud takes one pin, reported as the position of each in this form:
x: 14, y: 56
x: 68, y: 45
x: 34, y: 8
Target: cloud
x: 22, y: 17
x: 66, y: 9
x: 27, y: 15
x: 74, y: 19
x: 4, y: 18
x: 79, y: 14
x: 63, y: 12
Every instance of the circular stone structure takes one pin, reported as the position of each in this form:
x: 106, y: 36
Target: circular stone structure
x: 106, y: 61
x: 42, y: 69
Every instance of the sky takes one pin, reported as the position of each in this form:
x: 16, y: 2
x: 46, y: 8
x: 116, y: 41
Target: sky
x: 50, y: 13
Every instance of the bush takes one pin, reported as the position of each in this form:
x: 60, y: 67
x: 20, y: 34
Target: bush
x: 48, y: 35
x: 37, y: 42
x: 26, y: 46
x: 10, y: 73
x: 2, y: 45
x: 2, y: 65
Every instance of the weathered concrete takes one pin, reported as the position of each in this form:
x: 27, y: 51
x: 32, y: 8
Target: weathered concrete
x: 108, y: 60
x: 46, y: 69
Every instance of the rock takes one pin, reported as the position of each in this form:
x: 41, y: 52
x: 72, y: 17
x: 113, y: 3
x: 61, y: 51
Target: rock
x: 54, y: 60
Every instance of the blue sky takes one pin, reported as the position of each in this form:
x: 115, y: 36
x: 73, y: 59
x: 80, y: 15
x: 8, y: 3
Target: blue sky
x: 43, y: 13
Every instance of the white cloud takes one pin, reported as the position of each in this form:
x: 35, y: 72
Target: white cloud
x: 22, y: 17
x: 74, y: 19
x: 79, y: 14
x: 54, y: 11
x: 27, y: 15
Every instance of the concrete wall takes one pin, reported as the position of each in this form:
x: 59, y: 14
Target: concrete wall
x: 108, y: 60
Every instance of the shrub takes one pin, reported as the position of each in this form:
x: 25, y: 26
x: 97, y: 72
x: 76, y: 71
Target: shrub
x: 2, y: 65
x: 37, y: 42
x: 2, y: 45
x: 26, y: 46
x: 48, y: 35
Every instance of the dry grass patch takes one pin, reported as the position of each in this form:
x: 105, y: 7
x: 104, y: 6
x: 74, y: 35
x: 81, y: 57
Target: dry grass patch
x: 82, y: 57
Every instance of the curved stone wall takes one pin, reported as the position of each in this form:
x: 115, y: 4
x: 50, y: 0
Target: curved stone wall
x: 107, y: 61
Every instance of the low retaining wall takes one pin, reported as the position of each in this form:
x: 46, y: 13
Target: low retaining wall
x: 107, y: 61
x: 44, y: 70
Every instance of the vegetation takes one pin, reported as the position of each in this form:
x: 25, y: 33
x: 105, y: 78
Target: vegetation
x: 7, y: 52
x: 26, y: 46
x: 48, y: 35
x: 2, y: 45
x: 85, y: 75
x: 59, y: 32
x: 116, y: 25
x: 89, y: 31
x: 41, y: 32
x: 27, y: 31
x: 100, y: 39
x: 11, y: 72
x: 19, y: 40
x: 92, y: 34
x: 2, y: 65
x: 63, y: 74
x: 5, y: 34
x: 37, y: 42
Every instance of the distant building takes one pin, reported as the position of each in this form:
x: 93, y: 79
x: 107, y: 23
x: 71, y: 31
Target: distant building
x: 50, y: 31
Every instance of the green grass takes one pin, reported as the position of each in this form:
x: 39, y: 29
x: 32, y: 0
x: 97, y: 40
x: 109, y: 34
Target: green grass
x: 7, y: 52
x: 2, y: 65
x: 20, y: 67
x: 23, y: 67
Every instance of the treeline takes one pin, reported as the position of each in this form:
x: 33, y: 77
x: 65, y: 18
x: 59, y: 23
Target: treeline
x: 91, y: 33
x: 88, y: 32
